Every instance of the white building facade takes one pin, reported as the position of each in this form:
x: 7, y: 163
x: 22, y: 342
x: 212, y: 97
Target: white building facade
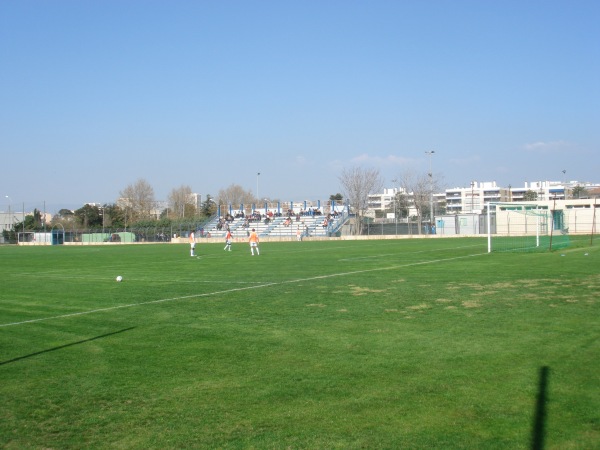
x: 473, y: 198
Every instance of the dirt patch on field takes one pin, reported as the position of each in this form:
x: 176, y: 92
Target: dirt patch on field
x: 471, y: 304
x: 419, y: 307
x: 358, y: 291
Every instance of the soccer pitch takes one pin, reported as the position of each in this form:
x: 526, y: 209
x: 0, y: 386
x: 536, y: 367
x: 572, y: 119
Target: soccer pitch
x: 409, y: 343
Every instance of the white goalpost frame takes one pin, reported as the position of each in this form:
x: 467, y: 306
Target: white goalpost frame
x: 489, y: 227
x: 537, y: 230
x: 521, y: 207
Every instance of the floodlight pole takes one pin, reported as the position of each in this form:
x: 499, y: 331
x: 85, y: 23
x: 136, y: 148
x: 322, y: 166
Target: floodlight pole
x: 489, y: 228
x: 552, y: 220
x: 430, y: 153
x: 593, y: 223
x: 9, y: 214
x: 257, y: 197
x: 395, y: 190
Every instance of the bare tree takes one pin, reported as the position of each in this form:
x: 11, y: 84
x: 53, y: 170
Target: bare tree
x: 357, y: 184
x: 234, y: 194
x: 181, y: 202
x: 401, y: 204
x: 421, y: 189
x: 138, y: 200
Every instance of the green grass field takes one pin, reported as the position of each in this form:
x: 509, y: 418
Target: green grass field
x: 412, y: 343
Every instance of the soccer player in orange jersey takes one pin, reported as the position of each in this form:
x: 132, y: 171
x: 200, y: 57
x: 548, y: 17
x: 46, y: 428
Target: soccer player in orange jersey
x: 253, y: 239
x: 228, y: 239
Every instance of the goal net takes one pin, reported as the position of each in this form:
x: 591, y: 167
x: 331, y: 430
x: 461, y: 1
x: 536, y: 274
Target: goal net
x: 520, y: 227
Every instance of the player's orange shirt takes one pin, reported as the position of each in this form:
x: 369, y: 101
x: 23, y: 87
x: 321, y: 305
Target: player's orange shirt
x: 253, y: 237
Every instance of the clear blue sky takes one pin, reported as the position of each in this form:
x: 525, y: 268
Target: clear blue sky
x: 97, y: 94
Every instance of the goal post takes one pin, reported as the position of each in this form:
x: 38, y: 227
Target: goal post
x: 525, y: 227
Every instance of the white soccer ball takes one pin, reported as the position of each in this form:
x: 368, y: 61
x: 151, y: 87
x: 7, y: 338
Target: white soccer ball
x: 119, y: 278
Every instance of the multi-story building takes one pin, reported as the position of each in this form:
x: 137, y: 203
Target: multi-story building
x: 474, y: 197
x: 387, y: 202
x: 541, y: 190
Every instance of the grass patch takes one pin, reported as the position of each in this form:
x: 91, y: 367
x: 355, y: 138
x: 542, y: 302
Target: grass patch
x: 389, y: 344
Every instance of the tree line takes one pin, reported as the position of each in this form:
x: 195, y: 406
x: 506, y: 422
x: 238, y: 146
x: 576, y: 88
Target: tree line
x: 138, y: 207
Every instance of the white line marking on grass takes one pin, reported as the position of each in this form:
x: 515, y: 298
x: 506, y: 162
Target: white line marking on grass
x: 360, y: 258
x: 132, y: 279
x: 364, y: 258
x: 245, y: 288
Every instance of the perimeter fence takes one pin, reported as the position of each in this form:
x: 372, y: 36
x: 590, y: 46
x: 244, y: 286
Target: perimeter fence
x: 148, y: 234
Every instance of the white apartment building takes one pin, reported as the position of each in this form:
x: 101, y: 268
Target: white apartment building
x: 544, y: 190
x: 386, y: 202
x: 473, y: 198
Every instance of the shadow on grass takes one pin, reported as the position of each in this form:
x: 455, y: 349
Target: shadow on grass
x: 539, y: 420
x: 65, y: 346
